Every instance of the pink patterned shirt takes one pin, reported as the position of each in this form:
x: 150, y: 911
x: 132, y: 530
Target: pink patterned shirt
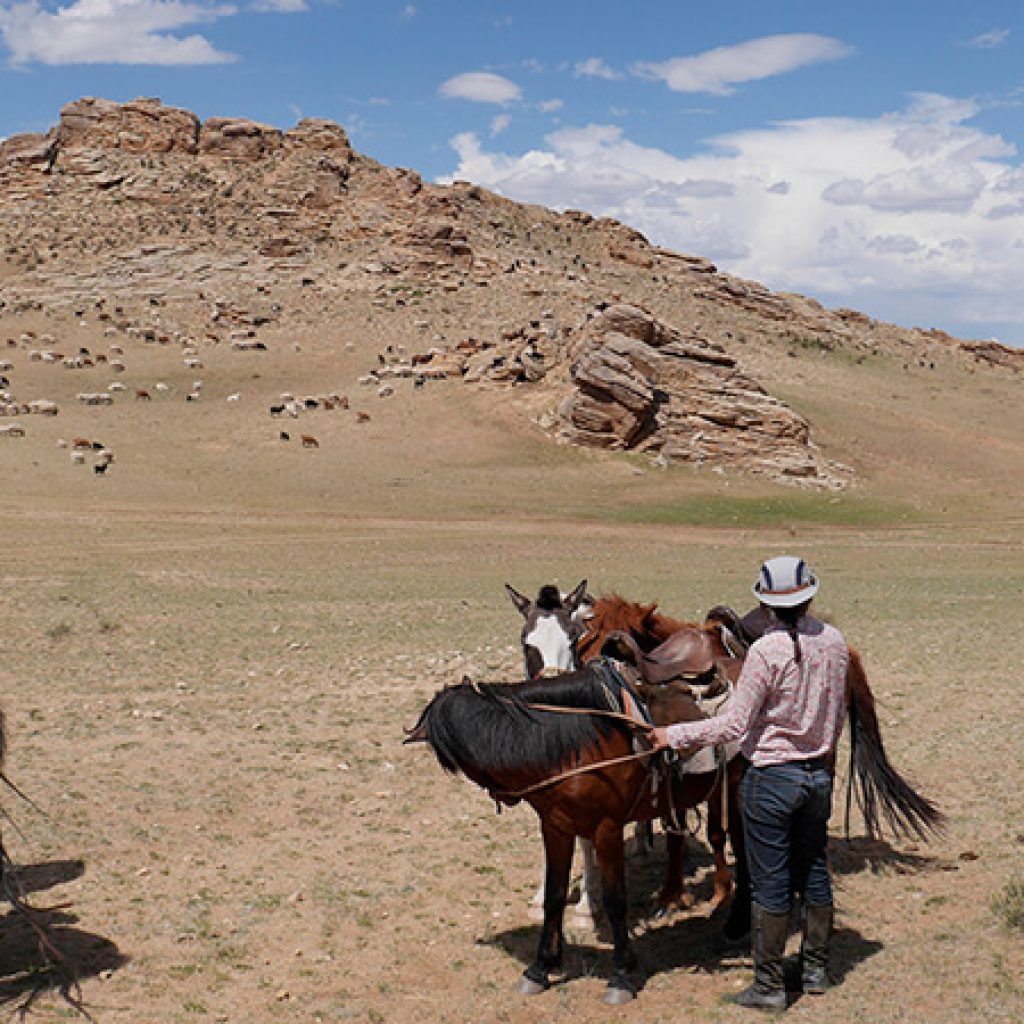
x: 783, y: 711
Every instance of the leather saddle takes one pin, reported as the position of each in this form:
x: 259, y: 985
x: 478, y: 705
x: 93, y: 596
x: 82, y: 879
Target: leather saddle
x: 688, y: 654
x: 744, y: 630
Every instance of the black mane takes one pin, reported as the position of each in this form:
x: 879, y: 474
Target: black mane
x: 488, y: 729
x: 549, y: 598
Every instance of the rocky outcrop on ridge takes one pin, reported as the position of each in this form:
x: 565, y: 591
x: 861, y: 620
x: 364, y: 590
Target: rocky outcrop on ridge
x: 640, y: 384
x: 160, y: 220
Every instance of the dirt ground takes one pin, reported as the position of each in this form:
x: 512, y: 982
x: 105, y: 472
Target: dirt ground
x: 210, y: 653
x: 209, y: 708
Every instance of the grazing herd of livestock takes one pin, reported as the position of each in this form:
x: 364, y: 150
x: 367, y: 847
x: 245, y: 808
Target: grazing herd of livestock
x: 42, y: 349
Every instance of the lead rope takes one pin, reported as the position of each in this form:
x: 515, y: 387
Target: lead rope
x: 500, y: 794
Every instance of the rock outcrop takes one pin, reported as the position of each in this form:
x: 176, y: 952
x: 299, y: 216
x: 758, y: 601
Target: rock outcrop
x: 140, y: 126
x: 640, y: 384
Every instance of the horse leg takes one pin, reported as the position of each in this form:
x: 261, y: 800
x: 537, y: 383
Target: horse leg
x: 611, y: 859
x: 716, y: 839
x: 643, y: 838
x: 558, y: 860
x: 673, y: 890
x: 738, y: 923
x: 537, y: 902
x: 585, y: 914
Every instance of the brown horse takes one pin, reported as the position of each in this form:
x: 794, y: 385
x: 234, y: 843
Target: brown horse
x: 566, y: 746
x: 882, y: 794
x: 613, y: 615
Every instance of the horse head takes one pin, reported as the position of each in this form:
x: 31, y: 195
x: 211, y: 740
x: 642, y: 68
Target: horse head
x: 552, y: 626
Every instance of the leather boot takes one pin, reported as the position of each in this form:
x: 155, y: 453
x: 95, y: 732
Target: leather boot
x: 768, y: 935
x: 814, y: 950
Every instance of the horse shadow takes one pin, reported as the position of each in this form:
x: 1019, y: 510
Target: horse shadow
x: 41, y: 950
x: 691, y: 939
x: 862, y: 853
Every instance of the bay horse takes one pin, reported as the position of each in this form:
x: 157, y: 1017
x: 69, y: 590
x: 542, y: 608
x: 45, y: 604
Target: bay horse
x: 556, y: 624
x: 566, y: 746
x: 881, y: 793
x: 613, y: 615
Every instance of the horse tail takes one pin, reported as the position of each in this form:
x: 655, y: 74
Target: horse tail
x: 880, y: 790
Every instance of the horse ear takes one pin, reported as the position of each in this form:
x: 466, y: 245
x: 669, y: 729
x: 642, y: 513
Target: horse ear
x: 522, y: 603
x: 577, y: 596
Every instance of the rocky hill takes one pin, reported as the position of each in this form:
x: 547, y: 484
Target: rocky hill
x: 176, y: 231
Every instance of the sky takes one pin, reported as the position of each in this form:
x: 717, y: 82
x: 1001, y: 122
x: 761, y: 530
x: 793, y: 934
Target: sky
x: 865, y: 154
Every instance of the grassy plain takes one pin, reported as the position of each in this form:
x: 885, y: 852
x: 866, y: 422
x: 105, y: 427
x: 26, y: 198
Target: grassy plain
x: 210, y: 652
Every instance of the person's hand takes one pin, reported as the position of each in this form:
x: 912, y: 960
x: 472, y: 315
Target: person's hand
x: 658, y: 737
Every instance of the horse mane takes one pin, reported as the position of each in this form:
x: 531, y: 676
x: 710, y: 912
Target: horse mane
x: 549, y: 598
x: 487, y: 729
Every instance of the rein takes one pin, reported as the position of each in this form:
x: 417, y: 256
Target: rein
x: 633, y: 723
x: 637, y: 725
x: 499, y: 794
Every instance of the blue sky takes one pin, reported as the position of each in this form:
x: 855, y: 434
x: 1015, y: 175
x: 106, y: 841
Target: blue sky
x: 865, y: 154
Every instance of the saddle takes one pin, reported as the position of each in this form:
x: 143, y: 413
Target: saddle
x: 744, y: 631
x: 685, y: 664
x: 687, y: 655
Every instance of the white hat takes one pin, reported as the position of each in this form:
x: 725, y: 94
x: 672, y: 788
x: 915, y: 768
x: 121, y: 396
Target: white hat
x: 785, y: 582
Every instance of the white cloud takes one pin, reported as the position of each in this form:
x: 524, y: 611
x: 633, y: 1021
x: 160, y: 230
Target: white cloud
x: 915, y: 216
x: 595, y: 67
x: 990, y: 40
x: 409, y: 11
x: 280, y: 6
x: 499, y: 124
x: 940, y: 187
x: 111, y: 32
x: 550, y: 106
x: 481, y: 87
x: 717, y: 71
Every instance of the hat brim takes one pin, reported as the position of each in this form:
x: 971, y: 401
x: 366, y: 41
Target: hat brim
x: 787, y: 598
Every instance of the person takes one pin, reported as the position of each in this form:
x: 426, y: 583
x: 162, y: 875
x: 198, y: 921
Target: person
x: 788, y: 707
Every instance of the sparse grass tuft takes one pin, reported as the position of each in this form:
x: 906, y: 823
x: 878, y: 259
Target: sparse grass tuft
x: 1008, y: 905
x: 59, y: 631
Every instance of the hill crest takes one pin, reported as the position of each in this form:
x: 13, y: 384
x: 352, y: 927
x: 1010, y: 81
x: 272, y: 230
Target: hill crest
x: 142, y: 206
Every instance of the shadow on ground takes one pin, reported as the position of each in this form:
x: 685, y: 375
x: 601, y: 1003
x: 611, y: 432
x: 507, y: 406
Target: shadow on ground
x: 690, y: 940
x: 41, y: 950
x: 851, y: 856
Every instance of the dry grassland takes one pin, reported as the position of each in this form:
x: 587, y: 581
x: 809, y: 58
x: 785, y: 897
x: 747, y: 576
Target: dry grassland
x: 209, y: 655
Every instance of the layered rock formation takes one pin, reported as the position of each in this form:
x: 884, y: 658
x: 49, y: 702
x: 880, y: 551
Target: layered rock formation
x: 640, y: 384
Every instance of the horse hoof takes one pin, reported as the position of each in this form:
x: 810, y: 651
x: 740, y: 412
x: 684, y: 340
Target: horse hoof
x: 620, y: 994
x: 529, y: 987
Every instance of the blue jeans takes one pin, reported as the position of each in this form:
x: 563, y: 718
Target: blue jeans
x: 786, y: 808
